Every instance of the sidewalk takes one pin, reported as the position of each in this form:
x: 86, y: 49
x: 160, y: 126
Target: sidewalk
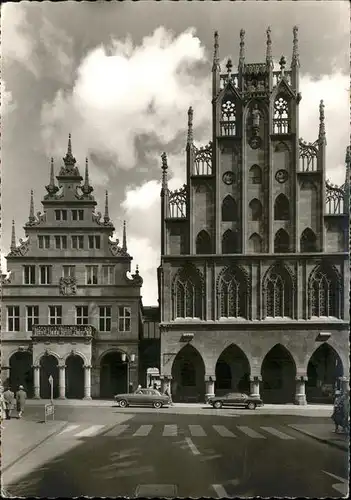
x: 20, y: 437
x: 325, y: 434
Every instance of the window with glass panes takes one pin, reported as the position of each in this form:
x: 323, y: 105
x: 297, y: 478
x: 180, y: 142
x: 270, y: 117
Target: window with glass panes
x: 61, y: 242
x: 82, y: 315
x: 32, y: 317
x: 55, y: 315
x: 94, y: 242
x: 69, y: 271
x: 105, y: 319
x: 44, y: 241
x: 29, y: 275
x: 92, y: 275
x: 107, y: 275
x: 45, y: 275
x: 124, y: 317
x: 78, y: 242
x: 61, y: 214
x: 77, y: 214
x: 13, y: 318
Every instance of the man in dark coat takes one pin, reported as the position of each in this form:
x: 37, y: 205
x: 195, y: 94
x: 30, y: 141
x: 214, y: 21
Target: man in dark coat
x: 21, y: 397
x: 9, y: 400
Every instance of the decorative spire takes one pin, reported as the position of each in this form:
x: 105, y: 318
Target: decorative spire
x: 69, y: 159
x: 51, y: 188
x: 124, y: 245
x: 215, y: 65
x: 242, y: 49
x: 87, y: 188
x: 321, y: 135
x: 106, y: 216
x: 13, y: 237
x: 31, y: 217
x: 282, y: 64
x: 295, y: 55
x: 269, y: 59
x: 190, y: 125
x: 164, y: 171
x: 229, y: 67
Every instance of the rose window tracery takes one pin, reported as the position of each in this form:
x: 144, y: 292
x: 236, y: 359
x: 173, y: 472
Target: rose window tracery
x: 281, y: 116
x: 228, y: 118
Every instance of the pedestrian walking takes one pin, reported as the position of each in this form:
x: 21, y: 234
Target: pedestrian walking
x: 9, y: 401
x: 21, y: 397
x: 167, y: 393
x: 338, y: 412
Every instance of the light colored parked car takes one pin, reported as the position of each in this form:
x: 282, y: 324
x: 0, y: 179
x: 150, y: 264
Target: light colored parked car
x: 143, y: 397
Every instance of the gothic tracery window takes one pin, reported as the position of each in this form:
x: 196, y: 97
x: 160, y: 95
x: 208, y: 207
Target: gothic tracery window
x: 278, y: 289
x: 281, y: 208
x: 203, y: 243
x: 228, y: 117
x: 324, y: 292
x: 232, y: 294
x: 188, y: 294
x: 308, y: 241
x: 281, y: 116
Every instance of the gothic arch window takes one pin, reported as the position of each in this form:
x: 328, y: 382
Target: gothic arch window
x: 308, y: 241
x: 188, y: 294
x: 281, y: 208
x: 255, y: 243
x: 255, y: 209
x: 229, y: 209
x: 255, y: 174
x: 324, y: 292
x: 228, y: 117
x: 281, y: 116
x: 278, y: 288
x: 203, y: 243
x: 233, y: 294
x: 230, y: 242
x: 281, y: 242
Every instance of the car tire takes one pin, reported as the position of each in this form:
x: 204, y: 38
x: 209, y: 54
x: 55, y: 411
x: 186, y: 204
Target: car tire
x: 251, y: 406
x: 157, y: 404
x: 123, y: 403
x: 217, y: 405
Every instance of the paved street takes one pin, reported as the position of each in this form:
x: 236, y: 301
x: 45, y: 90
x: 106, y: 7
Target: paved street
x: 109, y: 452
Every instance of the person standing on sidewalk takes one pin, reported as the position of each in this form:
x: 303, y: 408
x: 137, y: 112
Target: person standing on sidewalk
x: 2, y: 404
x: 338, y: 413
x: 9, y: 400
x: 21, y: 397
x: 346, y: 408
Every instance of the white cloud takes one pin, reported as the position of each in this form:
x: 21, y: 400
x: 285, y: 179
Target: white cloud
x: 7, y: 102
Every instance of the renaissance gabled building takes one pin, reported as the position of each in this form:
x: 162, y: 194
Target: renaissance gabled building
x: 253, y: 281
x: 70, y: 307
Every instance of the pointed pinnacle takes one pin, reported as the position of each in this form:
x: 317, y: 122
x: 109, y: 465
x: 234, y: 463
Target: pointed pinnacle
x: 190, y: 125
x: 69, y: 147
x: 31, y: 207
x: 269, y: 60
x: 295, y: 55
x: 13, y: 236
x: 321, y: 121
x: 52, y: 177
x: 124, y: 245
x: 215, y: 65
x: 106, y: 215
x: 242, y: 48
x: 86, y: 179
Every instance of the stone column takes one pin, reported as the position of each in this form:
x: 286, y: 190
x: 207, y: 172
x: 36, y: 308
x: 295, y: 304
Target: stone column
x: 255, y: 386
x: 36, y: 376
x: 344, y: 384
x: 209, y: 384
x: 300, y: 394
x: 62, y: 382
x: 87, y: 382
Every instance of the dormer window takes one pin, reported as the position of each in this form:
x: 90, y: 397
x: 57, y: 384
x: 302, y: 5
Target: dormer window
x: 77, y: 214
x: 94, y: 242
x: 60, y: 214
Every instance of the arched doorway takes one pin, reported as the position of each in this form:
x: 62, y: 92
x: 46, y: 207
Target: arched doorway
x: 21, y: 372
x: 188, y: 376
x: 74, y: 377
x: 323, y: 372
x: 278, y: 376
x: 49, y: 366
x: 232, y: 371
x: 113, y: 375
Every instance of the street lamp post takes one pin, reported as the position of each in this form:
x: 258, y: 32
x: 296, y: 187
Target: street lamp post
x: 127, y: 360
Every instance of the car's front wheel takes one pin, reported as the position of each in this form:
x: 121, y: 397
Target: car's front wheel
x: 217, y: 405
x: 251, y: 406
x: 123, y: 403
x: 157, y: 404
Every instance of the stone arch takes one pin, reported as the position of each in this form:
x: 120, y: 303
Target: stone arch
x: 112, y: 349
x: 74, y: 352
x: 188, y: 375
x: 21, y: 371
x: 233, y: 292
x: 203, y: 243
x: 324, y: 368
x: 256, y: 209
x: 232, y: 371
x: 281, y: 147
x: 281, y: 208
x: 74, y: 375
x: 230, y: 242
x: 278, y: 371
x: 255, y: 243
x: 255, y: 174
x: 49, y: 366
x: 229, y: 209
x: 325, y: 291
x: 281, y: 241
x: 308, y: 241
x: 47, y: 352
x: 114, y: 376
x: 187, y: 292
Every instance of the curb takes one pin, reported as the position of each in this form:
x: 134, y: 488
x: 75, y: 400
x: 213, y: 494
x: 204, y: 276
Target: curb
x: 344, y: 447
x: 33, y: 447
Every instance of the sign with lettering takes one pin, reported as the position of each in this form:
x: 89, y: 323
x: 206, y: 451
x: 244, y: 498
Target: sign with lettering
x: 49, y: 410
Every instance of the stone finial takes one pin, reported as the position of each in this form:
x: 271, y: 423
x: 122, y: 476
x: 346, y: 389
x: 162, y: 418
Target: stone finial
x: 87, y: 188
x: 295, y: 54
x: 321, y: 135
x: 69, y: 159
x: 215, y: 65
x: 164, y: 172
x: 13, y: 237
x: 106, y: 215
x: 229, y: 67
x: 124, y: 244
x: 190, y: 125
x: 51, y: 188
x: 348, y: 155
x: 242, y: 48
x: 282, y: 64
x: 269, y: 59
x: 31, y: 217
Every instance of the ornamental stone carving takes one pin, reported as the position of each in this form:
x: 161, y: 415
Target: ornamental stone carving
x: 63, y: 331
x: 21, y: 250
x: 68, y: 286
x: 117, y: 250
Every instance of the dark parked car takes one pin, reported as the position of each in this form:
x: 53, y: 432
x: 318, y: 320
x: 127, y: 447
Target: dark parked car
x: 235, y: 399
x: 143, y: 397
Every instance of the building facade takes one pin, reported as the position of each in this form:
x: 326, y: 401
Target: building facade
x: 70, y: 307
x: 254, y: 273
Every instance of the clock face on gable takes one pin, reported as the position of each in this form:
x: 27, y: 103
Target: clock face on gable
x: 228, y: 177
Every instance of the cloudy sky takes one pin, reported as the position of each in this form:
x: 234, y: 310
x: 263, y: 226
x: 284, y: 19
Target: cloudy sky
x: 120, y: 77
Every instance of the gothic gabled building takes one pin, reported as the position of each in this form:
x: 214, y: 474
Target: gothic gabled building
x: 253, y: 281
x: 69, y: 308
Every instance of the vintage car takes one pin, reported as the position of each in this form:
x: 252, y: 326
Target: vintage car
x: 235, y: 399
x: 143, y: 397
